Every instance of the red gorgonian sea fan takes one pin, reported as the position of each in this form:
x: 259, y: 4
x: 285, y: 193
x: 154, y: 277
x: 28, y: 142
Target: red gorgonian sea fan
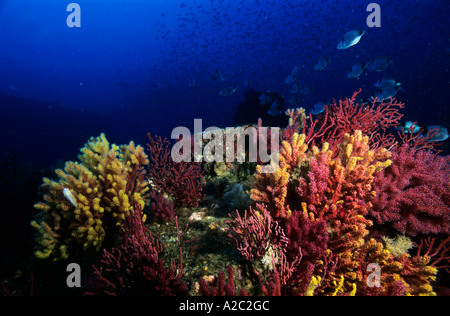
x: 414, y: 192
x: 345, y: 116
x: 255, y: 232
x: 181, y: 181
x: 135, y: 266
x: 161, y: 209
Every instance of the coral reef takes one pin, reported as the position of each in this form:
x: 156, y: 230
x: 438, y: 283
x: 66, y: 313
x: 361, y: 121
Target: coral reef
x: 91, y: 199
x: 323, y: 199
x: 312, y: 191
x: 351, y: 210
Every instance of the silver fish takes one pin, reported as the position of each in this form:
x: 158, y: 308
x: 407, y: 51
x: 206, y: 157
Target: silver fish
x: 295, y: 87
x: 386, y: 82
x: 322, y: 63
x: 407, y: 127
x: 264, y: 99
x: 290, y: 79
x: 318, y: 108
x: 379, y: 63
x: 274, y: 108
x: 356, y: 70
x: 306, y: 90
x: 294, y: 101
x: 350, y: 38
x: 227, y: 91
x: 217, y: 75
x: 69, y: 196
x: 193, y: 83
x: 388, y: 92
x: 442, y: 133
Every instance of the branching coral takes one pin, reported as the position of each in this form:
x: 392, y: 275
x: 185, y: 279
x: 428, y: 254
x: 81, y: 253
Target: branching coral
x: 256, y: 233
x: 402, y: 275
x: 134, y: 267
x: 272, y: 188
x: 91, y: 198
x: 161, y: 209
x: 324, y: 199
x: 180, y: 181
x: 331, y: 192
x: 439, y: 253
x: 314, y: 228
x: 338, y: 192
x: 348, y: 193
x: 221, y: 287
x: 297, y: 120
x: 413, y: 194
x: 345, y: 116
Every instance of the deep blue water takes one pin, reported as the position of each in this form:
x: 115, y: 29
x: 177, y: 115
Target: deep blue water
x: 126, y: 70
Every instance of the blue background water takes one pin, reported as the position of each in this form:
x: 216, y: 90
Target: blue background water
x: 126, y: 71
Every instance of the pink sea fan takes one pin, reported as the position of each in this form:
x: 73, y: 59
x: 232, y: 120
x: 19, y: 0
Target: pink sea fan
x: 182, y: 181
x: 161, y: 208
x: 414, y: 192
x: 314, y: 188
x: 135, y: 266
x: 345, y: 116
x: 255, y: 232
x: 309, y: 236
x: 221, y: 286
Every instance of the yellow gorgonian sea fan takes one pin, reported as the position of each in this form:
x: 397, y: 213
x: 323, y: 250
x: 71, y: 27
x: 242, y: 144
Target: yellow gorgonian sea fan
x: 90, y: 199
